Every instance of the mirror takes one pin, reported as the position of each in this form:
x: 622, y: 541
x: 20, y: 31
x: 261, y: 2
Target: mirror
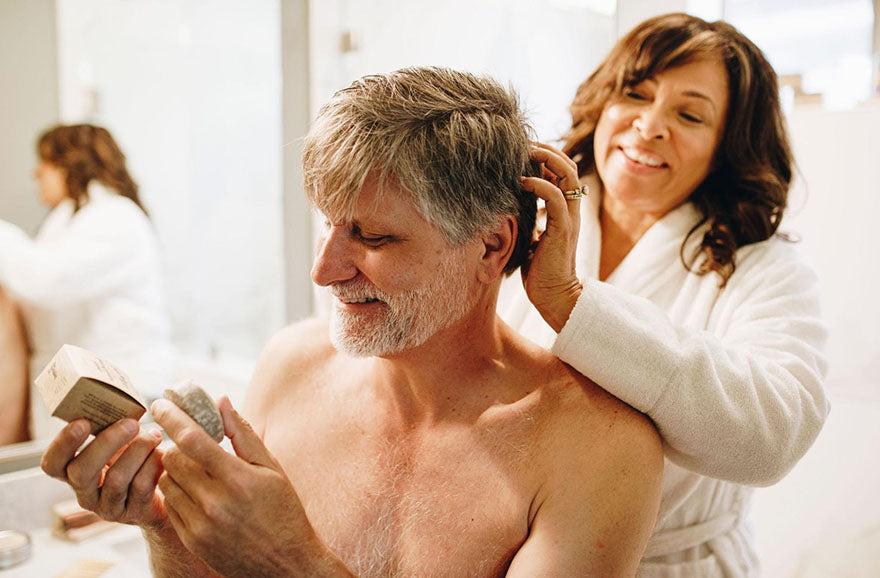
x: 191, y: 92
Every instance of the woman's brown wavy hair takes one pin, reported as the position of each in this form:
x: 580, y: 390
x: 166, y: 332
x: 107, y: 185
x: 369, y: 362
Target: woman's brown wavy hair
x: 86, y: 152
x: 745, y: 193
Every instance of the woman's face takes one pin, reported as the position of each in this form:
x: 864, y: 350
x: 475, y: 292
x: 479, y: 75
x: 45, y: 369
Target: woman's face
x: 656, y: 143
x: 52, y: 183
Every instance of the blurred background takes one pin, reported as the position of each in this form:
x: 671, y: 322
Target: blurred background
x: 209, y: 99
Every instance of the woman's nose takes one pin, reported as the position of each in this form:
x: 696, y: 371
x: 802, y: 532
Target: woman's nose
x: 334, y: 261
x: 651, y: 123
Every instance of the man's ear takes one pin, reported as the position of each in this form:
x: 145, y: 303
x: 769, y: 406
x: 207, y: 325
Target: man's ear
x: 497, y: 245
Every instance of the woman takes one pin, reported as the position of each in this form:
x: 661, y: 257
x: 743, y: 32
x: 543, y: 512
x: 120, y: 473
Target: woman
x: 682, y: 301
x: 91, y: 277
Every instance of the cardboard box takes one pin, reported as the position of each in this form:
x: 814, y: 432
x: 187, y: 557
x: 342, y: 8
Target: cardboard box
x: 79, y: 384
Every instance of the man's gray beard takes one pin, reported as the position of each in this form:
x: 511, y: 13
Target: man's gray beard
x: 409, y: 318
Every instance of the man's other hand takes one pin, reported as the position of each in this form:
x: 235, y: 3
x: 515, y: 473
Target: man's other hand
x: 239, y: 513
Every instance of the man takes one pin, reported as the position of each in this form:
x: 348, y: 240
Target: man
x: 14, y: 393
x: 416, y: 434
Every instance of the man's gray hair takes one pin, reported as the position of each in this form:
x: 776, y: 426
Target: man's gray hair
x: 456, y: 142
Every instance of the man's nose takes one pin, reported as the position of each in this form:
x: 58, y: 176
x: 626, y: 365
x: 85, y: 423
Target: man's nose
x: 651, y: 123
x: 335, y: 260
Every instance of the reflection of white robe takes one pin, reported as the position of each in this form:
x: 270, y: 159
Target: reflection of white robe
x: 90, y: 279
x: 731, y: 377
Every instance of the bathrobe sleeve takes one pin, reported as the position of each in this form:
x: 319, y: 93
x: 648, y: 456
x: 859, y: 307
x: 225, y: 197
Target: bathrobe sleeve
x: 742, y: 401
x: 97, y: 252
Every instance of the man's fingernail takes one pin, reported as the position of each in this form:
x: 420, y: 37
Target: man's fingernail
x: 158, y: 405
x: 79, y: 428
x: 129, y: 426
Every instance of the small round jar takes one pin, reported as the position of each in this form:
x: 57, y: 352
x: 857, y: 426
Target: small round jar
x: 15, y: 548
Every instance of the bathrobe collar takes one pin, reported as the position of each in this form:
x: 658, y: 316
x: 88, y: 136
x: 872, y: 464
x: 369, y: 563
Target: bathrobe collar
x: 658, y: 247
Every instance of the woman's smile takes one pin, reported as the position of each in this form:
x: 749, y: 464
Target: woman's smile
x: 642, y: 158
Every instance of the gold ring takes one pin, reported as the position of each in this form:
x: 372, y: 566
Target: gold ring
x: 577, y: 193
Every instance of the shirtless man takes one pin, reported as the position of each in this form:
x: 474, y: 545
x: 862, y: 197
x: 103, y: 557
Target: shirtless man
x: 14, y: 392
x: 416, y: 434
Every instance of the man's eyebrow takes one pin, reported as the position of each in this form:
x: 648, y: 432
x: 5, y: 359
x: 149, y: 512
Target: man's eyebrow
x: 371, y: 226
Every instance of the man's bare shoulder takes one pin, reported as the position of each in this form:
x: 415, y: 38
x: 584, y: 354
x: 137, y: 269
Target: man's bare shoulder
x: 574, y: 406
x: 598, y: 465
x: 579, y: 393
x: 289, y: 361
x: 626, y: 437
x: 305, y: 342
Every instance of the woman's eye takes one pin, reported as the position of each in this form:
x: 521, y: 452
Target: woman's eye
x: 691, y: 118
x: 630, y: 93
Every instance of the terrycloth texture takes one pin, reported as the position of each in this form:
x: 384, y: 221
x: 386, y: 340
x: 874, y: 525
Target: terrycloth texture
x: 731, y: 377
x: 90, y: 279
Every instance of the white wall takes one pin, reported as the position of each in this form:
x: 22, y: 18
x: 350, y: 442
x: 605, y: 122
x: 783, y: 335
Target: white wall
x: 296, y: 64
x: 544, y: 49
x: 192, y: 91
x: 28, y: 102
x: 633, y: 12
x: 823, y: 519
x: 834, y: 206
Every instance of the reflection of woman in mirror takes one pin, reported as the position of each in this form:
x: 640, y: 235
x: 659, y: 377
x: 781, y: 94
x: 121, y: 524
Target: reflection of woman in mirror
x: 91, y: 277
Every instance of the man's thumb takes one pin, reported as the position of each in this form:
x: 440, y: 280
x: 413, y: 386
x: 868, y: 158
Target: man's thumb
x: 245, y: 441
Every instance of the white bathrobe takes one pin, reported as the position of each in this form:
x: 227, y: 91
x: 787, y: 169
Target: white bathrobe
x: 731, y: 377
x: 91, y: 279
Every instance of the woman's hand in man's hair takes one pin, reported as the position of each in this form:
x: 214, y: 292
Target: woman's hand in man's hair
x: 549, y: 276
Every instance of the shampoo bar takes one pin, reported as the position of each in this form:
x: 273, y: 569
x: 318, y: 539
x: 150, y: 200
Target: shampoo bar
x: 192, y: 399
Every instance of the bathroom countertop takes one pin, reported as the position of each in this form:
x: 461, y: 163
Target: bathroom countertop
x: 122, y: 548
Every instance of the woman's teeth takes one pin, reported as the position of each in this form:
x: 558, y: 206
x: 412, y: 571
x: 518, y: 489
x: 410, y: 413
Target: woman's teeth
x: 642, y: 159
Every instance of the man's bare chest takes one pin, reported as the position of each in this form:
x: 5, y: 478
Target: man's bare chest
x: 453, y: 504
